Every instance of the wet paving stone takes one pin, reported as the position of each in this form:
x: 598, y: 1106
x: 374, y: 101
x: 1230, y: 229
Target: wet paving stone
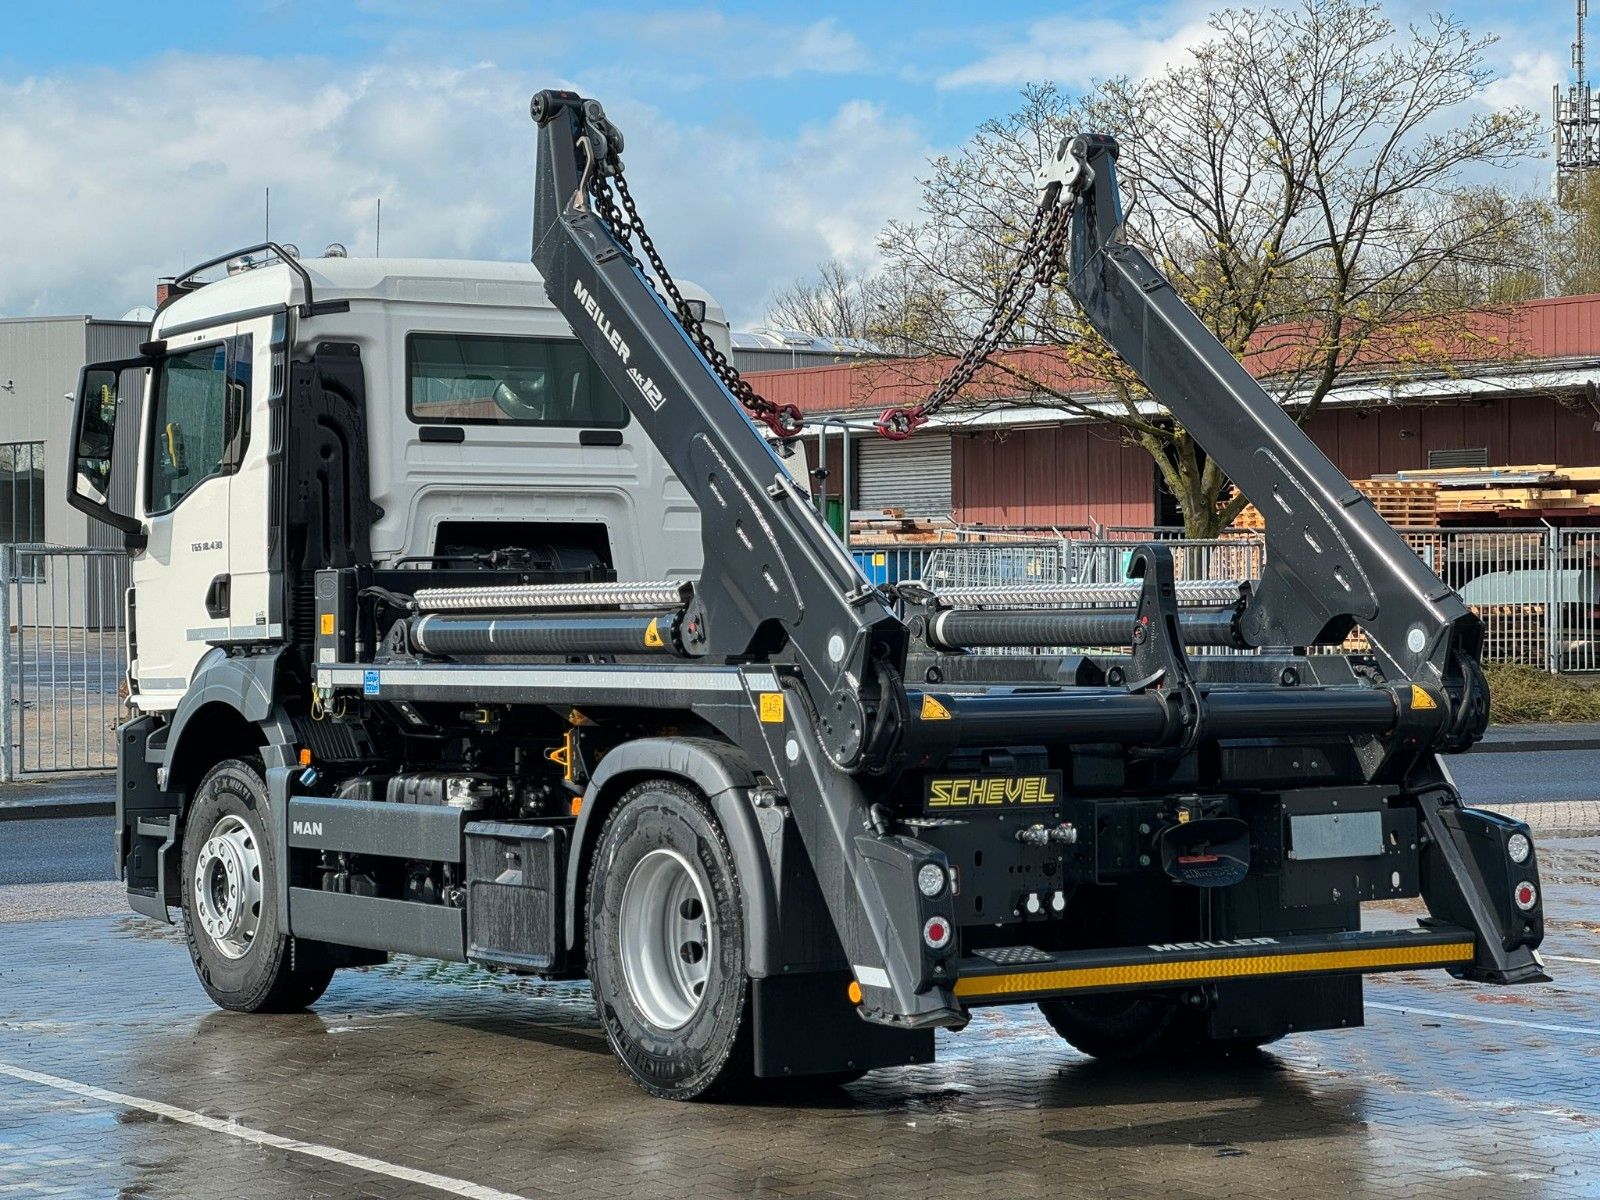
x: 422, y: 1079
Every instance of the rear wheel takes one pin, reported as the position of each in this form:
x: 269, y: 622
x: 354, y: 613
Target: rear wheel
x: 244, y: 960
x: 666, y: 945
x: 1126, y: 1027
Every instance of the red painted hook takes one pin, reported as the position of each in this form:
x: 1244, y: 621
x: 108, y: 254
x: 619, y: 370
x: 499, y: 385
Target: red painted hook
x: 897, y: 424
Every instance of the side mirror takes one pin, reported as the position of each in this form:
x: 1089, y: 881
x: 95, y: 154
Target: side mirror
x: 94, y: 439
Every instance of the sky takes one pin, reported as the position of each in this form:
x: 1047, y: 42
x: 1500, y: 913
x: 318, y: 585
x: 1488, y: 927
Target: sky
x: 136, y: 139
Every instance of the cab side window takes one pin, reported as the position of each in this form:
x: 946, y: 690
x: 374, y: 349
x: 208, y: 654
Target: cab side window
x: 199, y: 404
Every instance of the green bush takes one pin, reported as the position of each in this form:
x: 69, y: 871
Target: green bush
x: 1521, y: 694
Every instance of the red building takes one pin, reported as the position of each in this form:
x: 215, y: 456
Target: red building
x: 1014, y: 461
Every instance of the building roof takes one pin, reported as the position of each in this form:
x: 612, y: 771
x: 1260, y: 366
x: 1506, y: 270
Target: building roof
x: 799, y: 341
x: 1558, y: 338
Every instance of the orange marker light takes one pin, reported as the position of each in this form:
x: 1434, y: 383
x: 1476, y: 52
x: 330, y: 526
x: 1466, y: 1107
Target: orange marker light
x: 854, y: 992
x: 305, y: 756
x: 577, y: 805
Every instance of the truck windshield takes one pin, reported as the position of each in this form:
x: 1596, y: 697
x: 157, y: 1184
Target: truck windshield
x: 472, y: 379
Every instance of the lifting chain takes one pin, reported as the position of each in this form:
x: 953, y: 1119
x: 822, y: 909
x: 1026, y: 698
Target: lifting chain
x: 1037, y: 264
x: 627, y: 227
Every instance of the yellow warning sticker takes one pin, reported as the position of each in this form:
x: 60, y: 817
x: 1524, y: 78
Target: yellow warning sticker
x: 932, y: 710
x: 771, y: 708
x: 327, y: 624
x: 1420, y: 698
x: 880, y: 559
x: 652, y: 633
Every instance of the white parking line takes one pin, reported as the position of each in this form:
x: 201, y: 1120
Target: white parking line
x: 361, y: 1162
x: 1593, y: 962
x: 1476, y: 1019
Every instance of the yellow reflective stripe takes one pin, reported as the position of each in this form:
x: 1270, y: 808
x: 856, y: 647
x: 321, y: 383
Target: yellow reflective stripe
x: 1185, y: 971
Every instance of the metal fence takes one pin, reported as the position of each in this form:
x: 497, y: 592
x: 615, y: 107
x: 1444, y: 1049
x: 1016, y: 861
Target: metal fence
x: 1536, y: 589
x: 63, y: 656
x: 63, y: 650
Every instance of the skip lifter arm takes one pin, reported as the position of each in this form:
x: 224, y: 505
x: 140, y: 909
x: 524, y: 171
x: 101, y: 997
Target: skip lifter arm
x: 1331, y: 560
x: 774, y: 578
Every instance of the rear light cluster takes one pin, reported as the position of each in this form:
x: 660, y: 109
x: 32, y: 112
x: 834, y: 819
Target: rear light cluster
x: 1525, y: 896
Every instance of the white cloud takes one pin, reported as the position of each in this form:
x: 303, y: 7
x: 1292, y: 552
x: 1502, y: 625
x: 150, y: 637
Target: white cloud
x: 746, y: 47
x: 1527, y: 78
x: 1076, y: 52
x: 114, y: 178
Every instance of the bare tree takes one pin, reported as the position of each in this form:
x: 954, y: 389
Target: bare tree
x: 1309, y: 177
x: 833, y: 303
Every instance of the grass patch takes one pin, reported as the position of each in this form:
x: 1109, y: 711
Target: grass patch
x: 1519, y: 695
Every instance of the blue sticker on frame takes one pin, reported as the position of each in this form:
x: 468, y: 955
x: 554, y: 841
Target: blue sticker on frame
x: 369, y: 683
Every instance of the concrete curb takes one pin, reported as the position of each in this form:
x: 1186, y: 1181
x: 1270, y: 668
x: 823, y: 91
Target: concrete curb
x: 92, y: 794
x: 1534, y: 745
x: 1555, y: 818
x: 47, y: 810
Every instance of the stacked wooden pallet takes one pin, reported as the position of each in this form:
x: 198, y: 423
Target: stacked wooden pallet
x: 1528, y: 491
x: 1412, y: 503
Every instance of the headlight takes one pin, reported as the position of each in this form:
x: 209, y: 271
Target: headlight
x: 1519, y: 847
x: 930, y: 879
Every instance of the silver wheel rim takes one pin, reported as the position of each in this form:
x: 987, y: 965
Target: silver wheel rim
x: 665, y: 938
x: 227, y: 887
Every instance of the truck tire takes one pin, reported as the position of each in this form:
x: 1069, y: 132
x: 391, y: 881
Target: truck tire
x: 1117, y: 1027
x: 1127, y: 1027
x: 666, y: 945
x: 244, y: 961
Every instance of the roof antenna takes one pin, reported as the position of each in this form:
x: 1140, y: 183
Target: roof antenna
x: 266, y: 234
x: 377, y: 248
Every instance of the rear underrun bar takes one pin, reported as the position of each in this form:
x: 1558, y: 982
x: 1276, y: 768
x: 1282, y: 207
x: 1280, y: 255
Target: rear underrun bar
x: 1010, y: 974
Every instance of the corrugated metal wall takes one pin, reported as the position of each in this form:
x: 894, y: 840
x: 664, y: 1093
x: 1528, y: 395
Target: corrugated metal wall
x: 1079, y: 474
x: 1063, y: 475
x: 1523, y: 429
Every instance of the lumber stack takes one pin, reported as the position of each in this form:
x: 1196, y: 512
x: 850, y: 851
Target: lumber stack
x: 1412, y: 503
x: 1525, y: 492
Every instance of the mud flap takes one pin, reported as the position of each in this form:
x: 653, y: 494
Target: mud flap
x: 806, y: 1025
x: 147, y: 825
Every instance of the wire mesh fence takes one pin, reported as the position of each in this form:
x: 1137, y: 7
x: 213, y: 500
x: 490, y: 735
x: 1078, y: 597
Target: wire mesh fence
x: 63, y: 657
x: 1536, y: 589
x: 63, y: 653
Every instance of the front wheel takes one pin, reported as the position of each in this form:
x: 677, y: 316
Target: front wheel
x: 666, y: 945
x: 244, y: 960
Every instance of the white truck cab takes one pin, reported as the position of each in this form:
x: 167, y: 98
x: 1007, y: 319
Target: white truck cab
x: 487, y: 428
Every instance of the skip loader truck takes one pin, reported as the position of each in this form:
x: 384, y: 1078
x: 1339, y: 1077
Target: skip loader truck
x: 472, y: 617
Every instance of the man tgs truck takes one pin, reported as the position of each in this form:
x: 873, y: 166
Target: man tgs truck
x: 472, y: 617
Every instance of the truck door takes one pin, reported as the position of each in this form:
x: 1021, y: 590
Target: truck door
x: 258, y: 369
x: 192, y: 443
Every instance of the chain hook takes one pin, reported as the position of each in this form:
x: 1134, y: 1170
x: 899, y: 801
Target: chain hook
x: 897, y: 424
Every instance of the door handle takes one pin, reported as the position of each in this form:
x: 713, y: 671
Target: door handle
x: 217, y: 596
